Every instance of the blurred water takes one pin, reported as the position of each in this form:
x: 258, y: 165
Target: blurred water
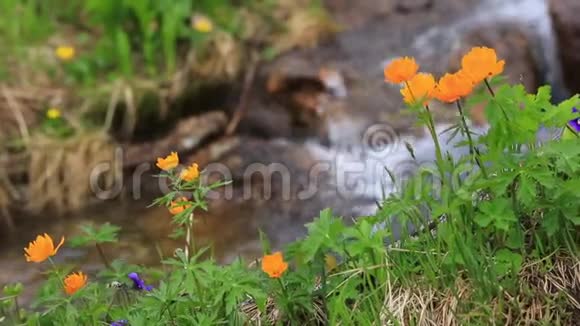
x: 533, y: 15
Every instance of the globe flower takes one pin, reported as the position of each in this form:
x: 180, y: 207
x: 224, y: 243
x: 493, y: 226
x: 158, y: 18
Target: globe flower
x: 575, y: 123
x: 65, y: 53
x: 481, y: 63
x: 419, y: 89
x: 452, y: 87
x: 401, y: 70
x: 74, y: 282
x: 191, y: 173
x: 169, y: 162
x: 139, y: 283
x: 53, y: 114
x: 179, y: 206
x: 274, y: 265
x: 201, y: 24
x: 41, y: 249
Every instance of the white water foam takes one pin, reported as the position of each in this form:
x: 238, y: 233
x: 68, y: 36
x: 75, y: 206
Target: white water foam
x: 532, y: 14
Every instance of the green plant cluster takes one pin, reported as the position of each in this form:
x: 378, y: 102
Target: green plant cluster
x: 483, y: 234
x: 119, y: 37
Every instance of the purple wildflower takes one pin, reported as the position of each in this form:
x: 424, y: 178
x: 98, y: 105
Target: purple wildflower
x: 575, y: 123
x: 121, y: 322
x: 139, y: 283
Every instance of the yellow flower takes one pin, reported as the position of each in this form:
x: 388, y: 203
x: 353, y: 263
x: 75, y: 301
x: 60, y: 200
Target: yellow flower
x: 481, y: 63
x: 452, y: 87
x: 40, y: 249
x: 274, y: 265
x: 65, y: 53
x: 419, y: 89
x: 169, y: 162
x: 201, y: 24
x: 179, y: 206
x: 191, y: 173
x: 53, y: 113
x: 401, y: 70
x: 74, y: 282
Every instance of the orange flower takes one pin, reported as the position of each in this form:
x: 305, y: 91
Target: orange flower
x: 74, y: 282
x: 191, y: 173
x: 168, y: 163
x: 274, y: 265
x: 179, y: 206
x: 419, y: 89
x: 40, y: 249
x: 452, y: 87
x: 401, y: 70
x: 481, y: 63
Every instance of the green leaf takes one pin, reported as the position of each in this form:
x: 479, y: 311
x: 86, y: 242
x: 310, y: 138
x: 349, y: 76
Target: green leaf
x: 106, y: 233
x: 507, y: 262
x: 497, y: 212
x: 323, y: 234
x: 526, y: 190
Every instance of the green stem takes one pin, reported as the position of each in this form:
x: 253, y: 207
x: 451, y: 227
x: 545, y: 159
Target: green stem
x: 431, y: 127
x: 189, y: 246
x: 493, y: 95
x: 102, y: 256
x: 285, y: 294
x: 438, y: 152
x: 55, y: 269
x: 472, y: 150
x: 489, y: 87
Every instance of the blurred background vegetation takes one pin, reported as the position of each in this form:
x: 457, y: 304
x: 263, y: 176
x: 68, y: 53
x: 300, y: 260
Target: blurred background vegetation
x: 77, y: 77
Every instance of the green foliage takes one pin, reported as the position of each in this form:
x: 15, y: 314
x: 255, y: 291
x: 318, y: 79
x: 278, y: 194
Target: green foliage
x: 474, y: 235
x: 106, y: 233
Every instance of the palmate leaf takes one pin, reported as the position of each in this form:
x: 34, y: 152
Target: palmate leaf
x: 507, y: 262
x: 92, y: 234
x: 324, y: 233
x: 526, y: 189
x: 497, y: 213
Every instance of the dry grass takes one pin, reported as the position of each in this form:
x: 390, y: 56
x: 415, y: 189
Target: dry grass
x: 545, y: 296
x: 59, y: 171
x: 305, y: 26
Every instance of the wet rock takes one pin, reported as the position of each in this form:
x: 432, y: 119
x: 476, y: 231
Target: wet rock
x: 512, y: 44
x: 356, y: 13
x: 410, y: 6
x: 186, y: 136
x: 567, y: 28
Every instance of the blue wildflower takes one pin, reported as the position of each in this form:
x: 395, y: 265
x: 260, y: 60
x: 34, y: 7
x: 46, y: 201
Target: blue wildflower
x: 139, y: 283
x: 575, y: 123
x: 121, y: 322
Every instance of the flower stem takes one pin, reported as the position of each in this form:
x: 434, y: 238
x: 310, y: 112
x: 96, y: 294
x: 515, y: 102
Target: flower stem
x: 102, y: 256
x: 493, y: 95
x: 189, y: 236
x: 285, y: 294
x: 472, y: 149
x: 433, y: 132
x: 55, y: 269
x: 489, y: 87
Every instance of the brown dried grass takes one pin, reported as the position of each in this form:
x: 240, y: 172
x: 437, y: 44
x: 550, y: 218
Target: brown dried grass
x: 548, y: 294
x: 59, y: 171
